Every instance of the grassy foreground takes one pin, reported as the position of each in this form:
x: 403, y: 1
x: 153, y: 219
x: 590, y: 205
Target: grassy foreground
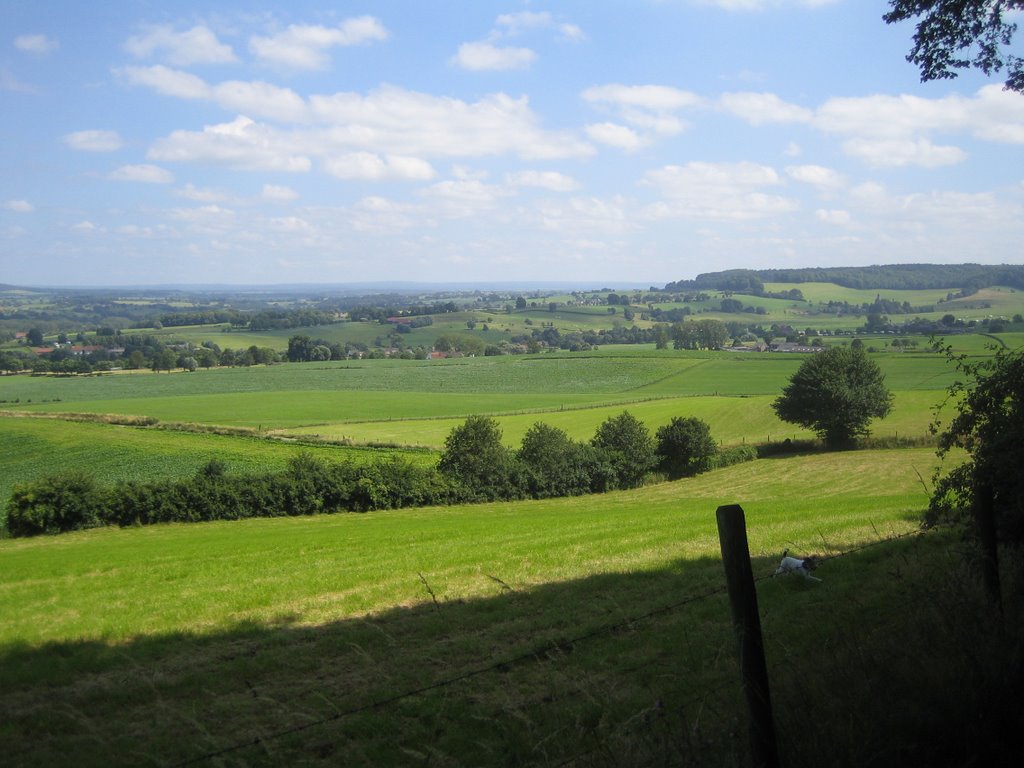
x: 590, y: 630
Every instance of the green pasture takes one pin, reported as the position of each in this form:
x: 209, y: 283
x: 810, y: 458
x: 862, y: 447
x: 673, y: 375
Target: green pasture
x: 113, y: 585
x: 158, y: 645
x: 733, y: 421
x: 822, y: 293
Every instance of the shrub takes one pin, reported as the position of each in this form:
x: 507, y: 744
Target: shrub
x: 735, y: 455
x: 685, y: 447
x: 627, y: 447
x: 66, y: 502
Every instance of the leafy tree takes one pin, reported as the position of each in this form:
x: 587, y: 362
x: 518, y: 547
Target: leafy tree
x: 836, y: 392
x: 520, y: 302
x: 685, y: 447
x: 988, y: 426
x: 475, y: 456
x: 300, y: 348
x: 555, y: 464
x: 959, y: 34
x: 628, y: 448
x: 34, y: 337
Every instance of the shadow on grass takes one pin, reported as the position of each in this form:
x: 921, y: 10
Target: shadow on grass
x: 616, y: 669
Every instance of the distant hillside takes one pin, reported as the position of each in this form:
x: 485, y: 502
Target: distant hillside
x: 966, y: 277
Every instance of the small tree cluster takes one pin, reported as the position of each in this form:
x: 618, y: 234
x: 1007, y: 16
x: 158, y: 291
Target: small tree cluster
x: 620, y: 455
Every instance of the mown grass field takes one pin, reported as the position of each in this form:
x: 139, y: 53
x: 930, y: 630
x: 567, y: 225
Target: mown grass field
x: 156, y: 645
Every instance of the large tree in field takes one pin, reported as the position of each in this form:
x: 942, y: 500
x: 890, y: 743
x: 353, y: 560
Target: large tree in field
x: 836, y: 392
x: 959, y: 34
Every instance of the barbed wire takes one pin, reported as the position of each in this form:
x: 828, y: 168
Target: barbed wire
x: 541, y: 652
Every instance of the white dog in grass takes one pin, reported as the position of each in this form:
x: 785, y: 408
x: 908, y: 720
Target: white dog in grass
x: 796, y: 565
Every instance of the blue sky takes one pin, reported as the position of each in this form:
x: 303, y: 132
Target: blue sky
x: 612, y: 142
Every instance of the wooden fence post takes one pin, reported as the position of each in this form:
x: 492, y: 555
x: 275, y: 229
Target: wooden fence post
x: 985, y: 517
x: 732, y: 536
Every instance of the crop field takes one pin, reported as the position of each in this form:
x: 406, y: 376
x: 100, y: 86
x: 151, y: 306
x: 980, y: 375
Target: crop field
x: 414, y: 403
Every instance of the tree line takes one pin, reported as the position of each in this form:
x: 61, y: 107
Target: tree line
x: 475, y: 466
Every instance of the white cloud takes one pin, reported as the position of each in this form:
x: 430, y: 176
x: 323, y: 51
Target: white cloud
x: 615, y: 135
x: 304, y: 46
x: 192, y: 192
x: 486, y: 56
x: 656, y: 98
x: 516, y: 23
x: 647, y: 108
x: 86, y: 227
x: 37, y: 44
x: 899, y: 153
x: 728, y: 191
x: 167, y: 81
x: 396, y: 121
x: 461, y: 198
x: 837, y: 218
x: 147, y: 174
x: 242, y: 144
x: 366, y: 166
x: 550, y: 180
x: 249, y: 97
x: 19, y: 206
x: 816, y: 175
x: 761, y: 5
x: 278, y: 193
x: 94, y: 141
x: 198, y: 45
x: 762, y: 108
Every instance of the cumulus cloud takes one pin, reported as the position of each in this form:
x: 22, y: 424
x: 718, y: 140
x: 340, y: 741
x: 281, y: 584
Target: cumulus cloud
x: 550, y: 180
x: 19, y: 206
x: 899, y: 153
x: 764, y: 108
x: 198, y: 45
x: 614, y: 135
x: 367, y: 166
x: 147, y: 174
x: 816, y: 175
x: 249, y: 97
x: 648, y: 109
x: 396, y: 121
x: 278, y: 193
x: 483, y: 56
x: 762, y: 5
x: 94, y: 141
x: 728, y: 191
x: 242, y: 144
x: 837, y: 218
x: 39, y: 45
x: 305, y: 46
x: 201, y: 195
x: 388, y: 121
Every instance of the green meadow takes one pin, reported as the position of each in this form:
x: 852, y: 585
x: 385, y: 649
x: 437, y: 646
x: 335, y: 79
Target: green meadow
x: 583, y: 631
x: 388, y: 638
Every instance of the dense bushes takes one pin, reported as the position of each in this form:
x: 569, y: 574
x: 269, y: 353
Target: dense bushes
x: 308, y: 486
x: 474, y: 466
